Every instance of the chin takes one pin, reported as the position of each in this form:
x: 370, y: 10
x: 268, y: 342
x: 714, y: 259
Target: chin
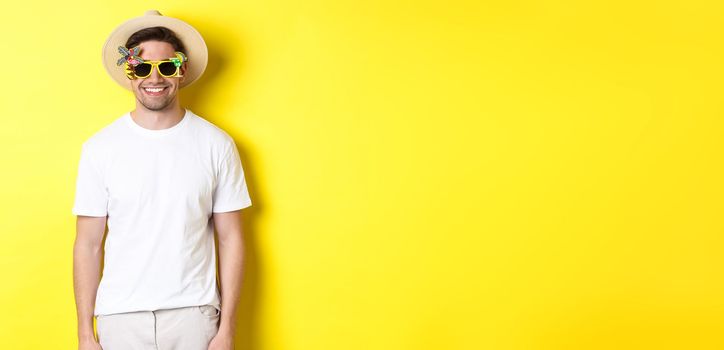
x: 157, y: 108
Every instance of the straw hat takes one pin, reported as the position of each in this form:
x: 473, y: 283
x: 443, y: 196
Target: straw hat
x: 197, y: 54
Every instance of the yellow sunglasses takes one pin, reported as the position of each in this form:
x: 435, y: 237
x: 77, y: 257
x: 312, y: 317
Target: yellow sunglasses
x: 167, y: 68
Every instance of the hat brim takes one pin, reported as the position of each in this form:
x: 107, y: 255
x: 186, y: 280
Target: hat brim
x: 197, y: 53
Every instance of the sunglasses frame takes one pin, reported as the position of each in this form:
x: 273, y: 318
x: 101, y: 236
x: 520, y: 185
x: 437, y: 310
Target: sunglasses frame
x: 131, y: 72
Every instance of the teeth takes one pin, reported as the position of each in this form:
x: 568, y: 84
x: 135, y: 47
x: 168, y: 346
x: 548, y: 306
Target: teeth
x: 154, y: 89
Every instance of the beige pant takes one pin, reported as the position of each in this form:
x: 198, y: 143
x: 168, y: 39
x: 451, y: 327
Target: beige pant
x: 186, y: 328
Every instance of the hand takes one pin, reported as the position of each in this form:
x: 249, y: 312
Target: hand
x: 222, y: 341
x: 89, y: 344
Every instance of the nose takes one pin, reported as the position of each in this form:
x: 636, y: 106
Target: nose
x: 155, y: 75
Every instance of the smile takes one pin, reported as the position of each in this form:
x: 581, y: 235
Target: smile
x: 154, y: 91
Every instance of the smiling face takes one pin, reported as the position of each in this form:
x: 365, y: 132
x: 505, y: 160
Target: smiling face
x: 156, y: 92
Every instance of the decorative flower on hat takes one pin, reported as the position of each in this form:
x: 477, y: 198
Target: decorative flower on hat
x: 130, y: 56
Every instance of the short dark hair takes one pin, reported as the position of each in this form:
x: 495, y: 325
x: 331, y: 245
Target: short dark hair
x: 156, y: 33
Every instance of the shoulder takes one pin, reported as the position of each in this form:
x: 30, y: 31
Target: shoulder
x: 211, y: 132
x: 102, y: 139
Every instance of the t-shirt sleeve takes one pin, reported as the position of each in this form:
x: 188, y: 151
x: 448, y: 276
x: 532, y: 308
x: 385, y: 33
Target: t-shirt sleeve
x: 91, y: 195
x: 231, y: 192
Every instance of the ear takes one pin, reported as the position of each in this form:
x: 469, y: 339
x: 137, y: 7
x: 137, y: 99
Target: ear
x: 184, y: 68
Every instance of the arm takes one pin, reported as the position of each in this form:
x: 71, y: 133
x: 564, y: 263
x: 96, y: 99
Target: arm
x: 231, y: 263
x: 87, y: 251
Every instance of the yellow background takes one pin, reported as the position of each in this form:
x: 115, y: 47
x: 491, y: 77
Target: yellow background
x: 425, y: 174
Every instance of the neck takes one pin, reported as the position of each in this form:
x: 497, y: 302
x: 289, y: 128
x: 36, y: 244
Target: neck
x: 157, y: 120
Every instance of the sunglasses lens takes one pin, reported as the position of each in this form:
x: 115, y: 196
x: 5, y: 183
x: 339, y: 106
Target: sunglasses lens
x: 143, y: 69
x: 167, y: 68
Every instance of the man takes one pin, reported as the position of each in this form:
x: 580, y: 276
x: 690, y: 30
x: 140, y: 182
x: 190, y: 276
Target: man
x: 164, y: 178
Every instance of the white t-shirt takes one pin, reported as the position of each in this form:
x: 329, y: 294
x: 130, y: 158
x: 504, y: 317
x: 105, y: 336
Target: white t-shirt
x: 159, y: 189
